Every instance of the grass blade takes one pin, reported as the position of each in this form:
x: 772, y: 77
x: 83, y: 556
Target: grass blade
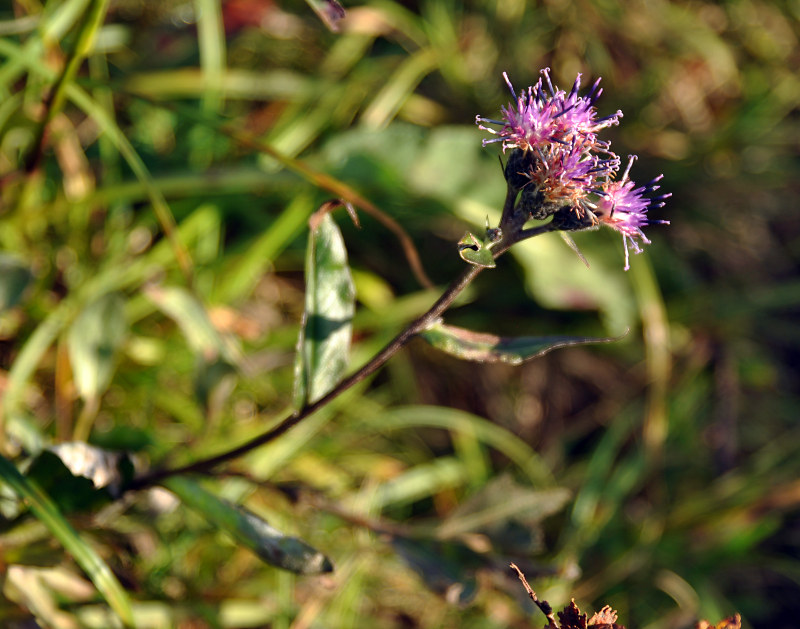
x: 95, y: 568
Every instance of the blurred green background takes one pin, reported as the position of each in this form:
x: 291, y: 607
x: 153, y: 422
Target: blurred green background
x: 152, y: 206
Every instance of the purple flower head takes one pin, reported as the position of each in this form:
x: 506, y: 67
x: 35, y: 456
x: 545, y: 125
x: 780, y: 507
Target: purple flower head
x: 543, y: 115
x: 623, y: 206
x: 566, y: 173
x: 563, y: 169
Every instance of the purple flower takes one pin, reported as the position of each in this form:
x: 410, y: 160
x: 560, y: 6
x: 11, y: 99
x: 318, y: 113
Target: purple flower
x: 543, y: 116
x: 564, y: 169
x: 624, y: 207
x: 566, y: 173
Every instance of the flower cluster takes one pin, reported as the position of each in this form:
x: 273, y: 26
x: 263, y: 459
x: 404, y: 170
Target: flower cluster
x: 563, y: 169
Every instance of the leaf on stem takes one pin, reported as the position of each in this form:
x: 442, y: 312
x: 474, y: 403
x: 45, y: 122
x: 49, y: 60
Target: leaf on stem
x: 489, y: 348
x: 94, y: 339
x: 475, y: 252
x: 251, y: 531
x: 323, y: 345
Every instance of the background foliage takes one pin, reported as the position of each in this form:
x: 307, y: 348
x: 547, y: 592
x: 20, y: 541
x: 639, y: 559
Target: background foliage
x: 153, y: 232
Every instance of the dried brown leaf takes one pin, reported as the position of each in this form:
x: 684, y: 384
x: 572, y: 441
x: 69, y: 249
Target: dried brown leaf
x: 734, y: 622
x: 572, y: 618
x: 606, y: 618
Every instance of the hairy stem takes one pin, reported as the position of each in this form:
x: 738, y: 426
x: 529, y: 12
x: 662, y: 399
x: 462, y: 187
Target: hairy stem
x: 376, y: 362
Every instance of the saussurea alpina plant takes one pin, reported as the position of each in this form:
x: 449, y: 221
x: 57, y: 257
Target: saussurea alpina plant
x: 559, y: 172
x: 561, y: 168
x: 558, y: 168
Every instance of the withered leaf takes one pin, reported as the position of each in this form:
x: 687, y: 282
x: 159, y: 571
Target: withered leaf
x: 606, y: 618
x: 571, y: 617
x: 734, y: 622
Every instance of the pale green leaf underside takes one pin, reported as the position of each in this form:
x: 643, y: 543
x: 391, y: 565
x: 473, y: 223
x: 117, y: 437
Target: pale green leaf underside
x: 481, y: 347
x: 475, y: 252
x: 94, y: 340
x: 323, y: 345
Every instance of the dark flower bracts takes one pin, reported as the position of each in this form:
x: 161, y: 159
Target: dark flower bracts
x: 563, y: 169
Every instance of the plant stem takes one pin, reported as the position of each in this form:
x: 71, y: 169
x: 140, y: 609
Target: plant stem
x: 83, y: 426
x: 92, y: 21
x: 376, y: 362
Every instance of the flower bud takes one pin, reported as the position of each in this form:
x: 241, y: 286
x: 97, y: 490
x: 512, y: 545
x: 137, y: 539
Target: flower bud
x: 571, y: 219
x: 519, y: 164
x: 535, y: 204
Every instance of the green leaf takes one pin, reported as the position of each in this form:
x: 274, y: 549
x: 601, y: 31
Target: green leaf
x: 475, y: 252
x: 323, y: 344
x: 71, y: 492
x: 218, y: 353
x: 461, y: 422
x: 80, y: 476
x: 14, y: 279
x: 193, y: 320
x: 489, y: 348
x: 94, y: 339
x: 46, y: 511
x: 559, y: 280
x: 431, y: 174
x: 448, y: 568
x: 251, y: 531
x: 507, y: 513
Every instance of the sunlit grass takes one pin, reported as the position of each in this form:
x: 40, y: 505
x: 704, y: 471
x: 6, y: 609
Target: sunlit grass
x: 170, y: 155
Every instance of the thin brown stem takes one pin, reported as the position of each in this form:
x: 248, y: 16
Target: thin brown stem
x: 375, y: 363
x: 547, y: 610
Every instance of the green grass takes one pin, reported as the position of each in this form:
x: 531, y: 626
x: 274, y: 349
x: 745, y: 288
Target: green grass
x: 165, y: 158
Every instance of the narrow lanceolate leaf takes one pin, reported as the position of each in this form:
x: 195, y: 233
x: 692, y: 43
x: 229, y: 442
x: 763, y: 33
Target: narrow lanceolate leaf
x: 46, y: 511
x: 447, y: 567
x: 193, y: 320
x: 94, y: 339
x: 507, y: 513
x: 323, y: 345
x: 14, y: 279
x: 251, y: 531
x: 489, y: 348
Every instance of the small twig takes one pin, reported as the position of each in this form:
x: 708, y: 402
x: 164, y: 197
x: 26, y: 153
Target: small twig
x: 547, y: 610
